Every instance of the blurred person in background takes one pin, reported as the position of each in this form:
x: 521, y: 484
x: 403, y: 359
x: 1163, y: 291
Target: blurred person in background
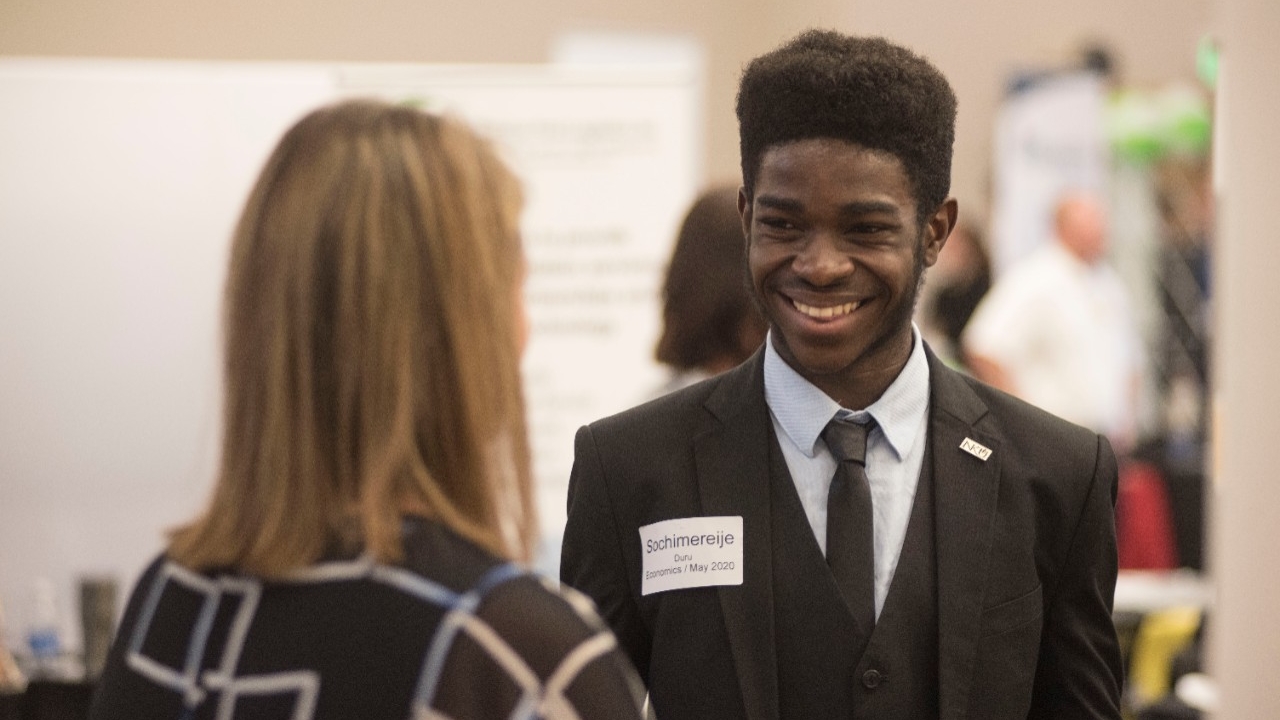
x: 709, y: 320
x: 358, y: 556
x: 1056, y: 329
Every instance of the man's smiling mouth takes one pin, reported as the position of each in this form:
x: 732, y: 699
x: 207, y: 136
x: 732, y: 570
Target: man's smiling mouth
x: 825, y: 313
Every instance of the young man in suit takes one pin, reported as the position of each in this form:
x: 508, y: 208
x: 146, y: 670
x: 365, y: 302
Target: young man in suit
x: 755, y: 564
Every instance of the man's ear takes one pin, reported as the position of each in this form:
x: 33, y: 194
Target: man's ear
x: 744, y: 211
x: 937, y: 229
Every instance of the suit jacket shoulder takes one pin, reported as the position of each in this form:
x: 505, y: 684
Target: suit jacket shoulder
x: 1026, y: 556
x: 677, y: 416
x: 1027, y: 427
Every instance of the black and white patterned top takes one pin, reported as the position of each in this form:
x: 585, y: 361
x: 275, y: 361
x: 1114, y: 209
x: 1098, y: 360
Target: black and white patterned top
x: 450, y: 633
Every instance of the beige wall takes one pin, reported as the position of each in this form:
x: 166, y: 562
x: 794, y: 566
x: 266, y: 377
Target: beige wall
x: 976, y: 48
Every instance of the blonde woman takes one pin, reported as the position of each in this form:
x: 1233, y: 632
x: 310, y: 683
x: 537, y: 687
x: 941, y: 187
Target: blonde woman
x: 358, y: 556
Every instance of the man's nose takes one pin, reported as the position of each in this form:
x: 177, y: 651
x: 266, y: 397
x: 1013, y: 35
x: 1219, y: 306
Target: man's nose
x: 822, y: 261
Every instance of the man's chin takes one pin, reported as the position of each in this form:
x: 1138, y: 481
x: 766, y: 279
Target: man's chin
x: 818, y: 362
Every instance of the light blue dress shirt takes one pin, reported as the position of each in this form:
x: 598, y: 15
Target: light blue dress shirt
x: 895, y: 449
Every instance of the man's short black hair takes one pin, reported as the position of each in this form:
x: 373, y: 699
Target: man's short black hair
x: 864, y: 90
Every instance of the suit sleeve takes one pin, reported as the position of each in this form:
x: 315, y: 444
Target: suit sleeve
x: 592, y: 559
x: 1079, y: 674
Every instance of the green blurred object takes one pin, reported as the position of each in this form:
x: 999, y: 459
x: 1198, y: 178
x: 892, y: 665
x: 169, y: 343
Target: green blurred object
x: 1144, y: 127
x: 1207, y: 62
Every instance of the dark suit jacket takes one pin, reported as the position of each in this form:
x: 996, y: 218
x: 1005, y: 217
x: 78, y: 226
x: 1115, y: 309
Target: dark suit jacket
x: 1026, y: 556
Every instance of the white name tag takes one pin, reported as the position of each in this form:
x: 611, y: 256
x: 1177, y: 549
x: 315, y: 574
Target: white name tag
x: 691, y: 552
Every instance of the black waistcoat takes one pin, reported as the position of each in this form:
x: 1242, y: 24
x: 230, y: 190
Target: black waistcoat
x: 827, y: 667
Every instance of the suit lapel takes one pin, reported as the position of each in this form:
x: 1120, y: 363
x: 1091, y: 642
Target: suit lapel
x: 731, y: 452
x: 965, y: 490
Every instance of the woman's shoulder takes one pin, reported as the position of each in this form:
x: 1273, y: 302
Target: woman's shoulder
x: 512, y: 635
x: 433, y: 550
x: 527, y: 640
x: 533, y: 611
x: 521, y: 606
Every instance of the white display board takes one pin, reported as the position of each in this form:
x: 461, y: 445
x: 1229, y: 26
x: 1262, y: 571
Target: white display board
x: 119, y: 186
x: 1049, y: 139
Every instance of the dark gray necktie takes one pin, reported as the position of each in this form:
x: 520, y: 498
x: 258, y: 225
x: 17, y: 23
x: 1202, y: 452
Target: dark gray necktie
x: 850, y: 541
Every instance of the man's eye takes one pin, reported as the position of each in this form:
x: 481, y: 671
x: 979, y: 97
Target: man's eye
x: 867, y: 229
x: 777, y: 223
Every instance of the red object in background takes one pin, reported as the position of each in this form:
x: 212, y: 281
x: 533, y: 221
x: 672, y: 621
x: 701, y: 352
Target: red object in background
x: 1144, y: 528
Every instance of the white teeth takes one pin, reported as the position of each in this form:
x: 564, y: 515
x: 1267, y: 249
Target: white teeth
x: 824, y: 313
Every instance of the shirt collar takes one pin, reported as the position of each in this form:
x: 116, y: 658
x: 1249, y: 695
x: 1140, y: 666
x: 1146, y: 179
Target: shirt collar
x: 803, y: 411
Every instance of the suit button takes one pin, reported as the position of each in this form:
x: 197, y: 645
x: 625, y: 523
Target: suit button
x: 871, y: 679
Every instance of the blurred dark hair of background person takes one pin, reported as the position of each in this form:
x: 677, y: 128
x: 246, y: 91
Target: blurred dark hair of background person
x: 958, y: 281
x: 709, y: 320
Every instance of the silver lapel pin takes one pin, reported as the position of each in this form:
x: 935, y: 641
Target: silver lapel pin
x: 976, y: 449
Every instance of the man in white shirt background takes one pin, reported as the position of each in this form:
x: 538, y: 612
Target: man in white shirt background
x: 1057, y: 331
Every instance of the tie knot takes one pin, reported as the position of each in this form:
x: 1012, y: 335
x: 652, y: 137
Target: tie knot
x: 847, y: 439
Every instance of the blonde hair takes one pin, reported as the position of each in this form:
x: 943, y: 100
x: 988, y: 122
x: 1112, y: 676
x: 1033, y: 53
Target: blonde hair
x: 372, y: 350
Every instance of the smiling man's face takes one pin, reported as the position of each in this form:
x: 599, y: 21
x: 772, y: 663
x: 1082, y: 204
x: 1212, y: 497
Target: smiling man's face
x: 836, y: 255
